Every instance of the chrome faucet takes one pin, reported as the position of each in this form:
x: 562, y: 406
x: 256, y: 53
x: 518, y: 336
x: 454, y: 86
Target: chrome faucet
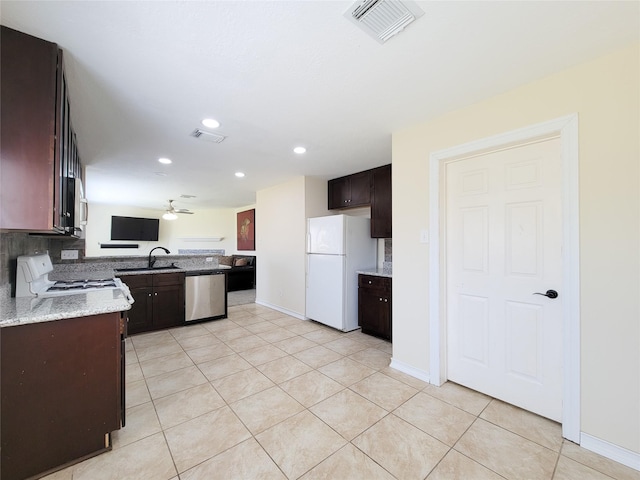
x: 152, y: 260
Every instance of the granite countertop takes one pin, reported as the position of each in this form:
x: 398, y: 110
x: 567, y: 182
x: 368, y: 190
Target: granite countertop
x: 187, y: 270
x: 378, y: 272
x: 25, y: 310
x: 106, y: 272
x: 21, y: 311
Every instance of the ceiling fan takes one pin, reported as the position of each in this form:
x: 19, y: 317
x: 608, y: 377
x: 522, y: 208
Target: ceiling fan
x: 171, y: 212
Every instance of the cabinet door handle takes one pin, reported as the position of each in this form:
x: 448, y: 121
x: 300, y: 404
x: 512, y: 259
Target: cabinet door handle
x: 381, y: 299
x: 386, y: 300
x: 369, y: 282
x: 156, y: 294
x: 149, y: 294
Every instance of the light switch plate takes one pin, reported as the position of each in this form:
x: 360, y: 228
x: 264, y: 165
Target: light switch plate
x: 424, y: 236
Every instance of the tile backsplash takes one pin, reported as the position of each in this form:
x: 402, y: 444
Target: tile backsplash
x: 14, y: 244
x: 388, y: 258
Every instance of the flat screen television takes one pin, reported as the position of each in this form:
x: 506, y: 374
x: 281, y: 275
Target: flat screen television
x: 133, y: 228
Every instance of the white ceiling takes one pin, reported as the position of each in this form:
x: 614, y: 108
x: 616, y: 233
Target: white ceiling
x: 278, y: 74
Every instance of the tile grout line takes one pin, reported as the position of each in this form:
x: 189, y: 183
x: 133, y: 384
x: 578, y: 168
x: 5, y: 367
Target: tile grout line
x: 344, y: 387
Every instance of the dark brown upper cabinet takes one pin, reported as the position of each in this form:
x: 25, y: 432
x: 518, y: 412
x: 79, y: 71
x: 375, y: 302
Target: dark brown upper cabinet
x: 381, y: 202
x: 371, y: 187
x: 350, y: 191
x: 38, y: 154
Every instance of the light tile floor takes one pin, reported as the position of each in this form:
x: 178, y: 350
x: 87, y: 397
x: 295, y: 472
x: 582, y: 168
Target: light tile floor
x: 262, y: 395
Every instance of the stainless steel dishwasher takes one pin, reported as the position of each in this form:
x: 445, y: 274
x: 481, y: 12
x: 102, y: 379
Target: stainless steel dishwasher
x: 205, y: 295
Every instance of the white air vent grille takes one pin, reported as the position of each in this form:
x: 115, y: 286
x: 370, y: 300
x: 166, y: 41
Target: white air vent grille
x: 382, y: 19
x: 207, y: 136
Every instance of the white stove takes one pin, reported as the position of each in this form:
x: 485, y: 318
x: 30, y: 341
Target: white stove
x: 32, y: 280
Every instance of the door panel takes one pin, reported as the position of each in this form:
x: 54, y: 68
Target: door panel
x: 474, y: 249
x: 524, y: 239
x: 474, y: 341
x: 503, y: 240
x: 168, y: 306
x: 524, y: 326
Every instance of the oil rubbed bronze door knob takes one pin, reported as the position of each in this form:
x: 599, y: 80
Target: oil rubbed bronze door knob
x: 549, y: 294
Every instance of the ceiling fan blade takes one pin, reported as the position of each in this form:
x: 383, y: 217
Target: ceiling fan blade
x: 173, y: 209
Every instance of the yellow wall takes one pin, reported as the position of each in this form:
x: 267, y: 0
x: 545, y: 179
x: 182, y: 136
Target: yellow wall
x: 203, y: 223
x: 605, y: 95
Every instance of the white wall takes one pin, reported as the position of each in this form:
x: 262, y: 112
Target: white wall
x: 172, y: 234
x: 281, y: 214
x: 315, y: 198
x: 606, y: 96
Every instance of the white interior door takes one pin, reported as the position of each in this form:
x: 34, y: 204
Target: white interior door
x: 503, y: 239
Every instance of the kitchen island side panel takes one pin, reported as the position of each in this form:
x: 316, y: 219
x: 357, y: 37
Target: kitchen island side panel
x: 60, y: 390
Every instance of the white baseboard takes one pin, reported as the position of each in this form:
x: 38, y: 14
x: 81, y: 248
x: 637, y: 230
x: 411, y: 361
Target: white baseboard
x: 610, y: 450
x: 280, y: 309
x: 409, y: 370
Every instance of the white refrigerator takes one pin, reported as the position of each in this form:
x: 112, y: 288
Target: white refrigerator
x: 337, y: 246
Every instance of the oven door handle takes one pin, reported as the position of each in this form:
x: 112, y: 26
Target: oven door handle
x: 127, y: 293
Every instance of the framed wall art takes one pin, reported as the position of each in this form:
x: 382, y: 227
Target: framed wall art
x: 246, y: 226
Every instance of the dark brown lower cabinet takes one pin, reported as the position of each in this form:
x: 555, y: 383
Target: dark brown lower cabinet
x: 159, y: 301
x: 62, y: 392
x: 374, y: 305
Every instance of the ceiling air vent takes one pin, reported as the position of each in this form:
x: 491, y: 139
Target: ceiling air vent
x: 207, y: 136
x: 382, y: 19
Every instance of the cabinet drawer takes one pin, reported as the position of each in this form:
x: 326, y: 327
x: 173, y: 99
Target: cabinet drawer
x: 135, y: 281
x: 174, y: 278
x: 374, y: 281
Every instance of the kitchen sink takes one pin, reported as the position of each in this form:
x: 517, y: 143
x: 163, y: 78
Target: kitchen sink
x: 146, y: 269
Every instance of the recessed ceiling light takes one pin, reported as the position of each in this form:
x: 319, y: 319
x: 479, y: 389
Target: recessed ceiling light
x: 210, y: 123
x: 299, y: 150
x: 160, y: 174
x: 164, y: 160
x: 239, y: 174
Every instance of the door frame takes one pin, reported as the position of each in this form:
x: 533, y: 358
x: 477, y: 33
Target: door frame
x: 567, y: 129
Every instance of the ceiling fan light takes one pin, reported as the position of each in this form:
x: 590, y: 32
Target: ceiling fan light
x: 169, y: 215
